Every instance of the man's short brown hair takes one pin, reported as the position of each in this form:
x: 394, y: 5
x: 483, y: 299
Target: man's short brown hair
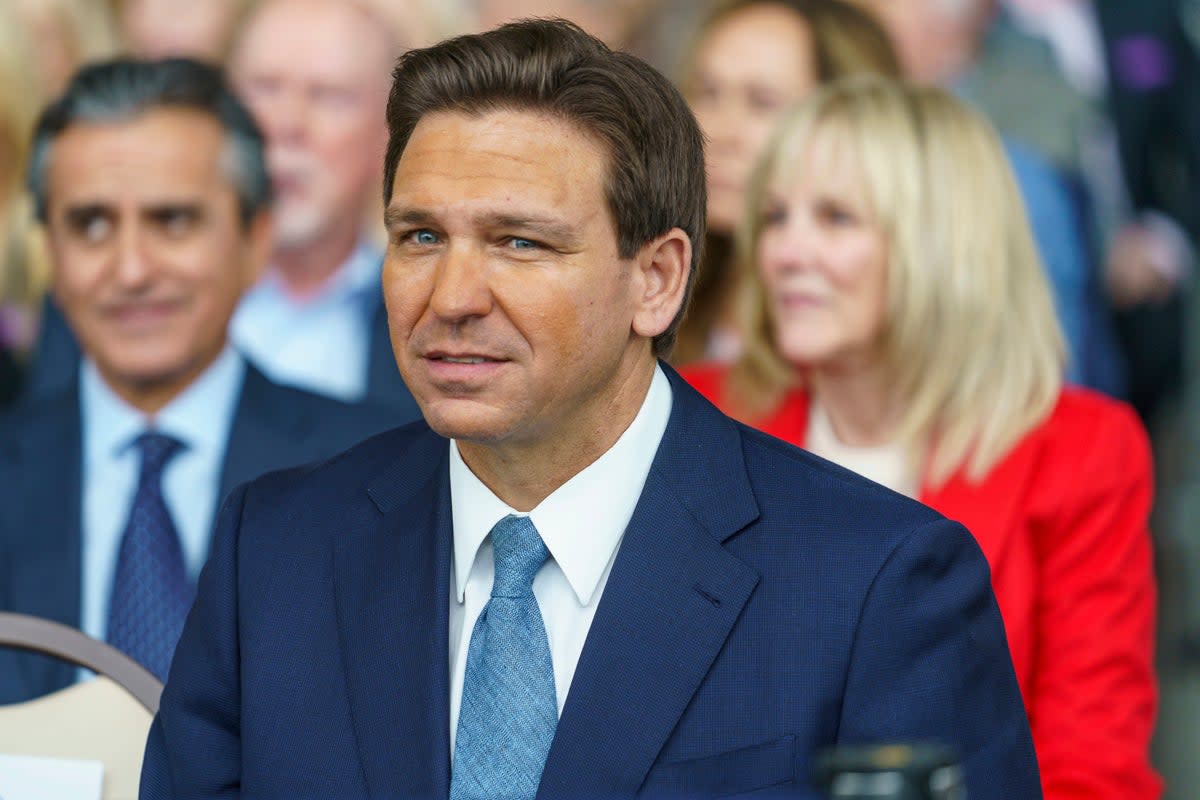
x: 656, y: 171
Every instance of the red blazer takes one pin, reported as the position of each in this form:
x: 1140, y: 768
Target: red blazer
x: 1062, y: 519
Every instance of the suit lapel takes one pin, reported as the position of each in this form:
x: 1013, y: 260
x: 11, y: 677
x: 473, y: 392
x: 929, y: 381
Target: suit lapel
x: 393, y: 591
x: 265, y: 431
x: 671, y: 600
x: 47, y: 573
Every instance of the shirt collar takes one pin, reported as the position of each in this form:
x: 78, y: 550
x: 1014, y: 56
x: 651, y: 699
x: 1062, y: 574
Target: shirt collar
x: 604, y: 494
x: 199, y: 417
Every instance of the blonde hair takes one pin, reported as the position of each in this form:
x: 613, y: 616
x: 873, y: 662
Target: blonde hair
x: 23, y: 271
x: 239, y: 10
x: 971, y: 343
x: 85, y: 28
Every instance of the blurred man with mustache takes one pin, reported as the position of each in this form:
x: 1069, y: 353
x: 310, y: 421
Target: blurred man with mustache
x: 315, y: 74
x: 149, y: 179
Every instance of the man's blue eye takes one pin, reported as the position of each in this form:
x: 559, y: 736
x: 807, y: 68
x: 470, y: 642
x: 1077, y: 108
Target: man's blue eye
x: 522, y: 244
x: 425, y: 237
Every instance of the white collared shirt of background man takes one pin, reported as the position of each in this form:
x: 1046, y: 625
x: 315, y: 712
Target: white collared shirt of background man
x: 321, y: 342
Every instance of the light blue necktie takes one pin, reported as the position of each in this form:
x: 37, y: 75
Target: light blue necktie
x: 509, y: 711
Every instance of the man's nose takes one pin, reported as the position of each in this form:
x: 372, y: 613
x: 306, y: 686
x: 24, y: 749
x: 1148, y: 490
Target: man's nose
x: 461, y: 285
x: 134, y: 261
x: 284, y: 116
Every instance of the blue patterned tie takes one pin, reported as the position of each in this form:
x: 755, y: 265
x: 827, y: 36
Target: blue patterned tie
x: 151, y: 591
x: 509, y: 710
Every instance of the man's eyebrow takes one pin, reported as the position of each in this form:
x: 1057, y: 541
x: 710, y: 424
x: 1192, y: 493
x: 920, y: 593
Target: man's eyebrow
x: 555, y: 230
x: 82, y: 211
x: 399, y: 216
x: 166, y: 206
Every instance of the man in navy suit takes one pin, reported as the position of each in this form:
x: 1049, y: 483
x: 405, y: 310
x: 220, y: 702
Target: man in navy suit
x: 149, y: 179
x: 575, y: 578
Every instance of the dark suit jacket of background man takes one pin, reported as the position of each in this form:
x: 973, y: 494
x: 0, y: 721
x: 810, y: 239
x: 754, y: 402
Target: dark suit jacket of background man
x: 1154, y: 85
x: 56, y: 356
x: 41, y: 448
x: 763, y: 603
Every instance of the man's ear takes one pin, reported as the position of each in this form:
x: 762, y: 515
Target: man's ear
x: 661, y: 274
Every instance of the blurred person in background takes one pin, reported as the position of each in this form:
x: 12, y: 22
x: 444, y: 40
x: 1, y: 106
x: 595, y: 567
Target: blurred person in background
x: 315, y: 73
x: 160, y: 28
x: 750, y: 60
x: 59, y: 37
x: 22, y: 258
x: 615, y: 22
x: 900, y: 324
x: 1136, y: 66
x: 1107, y: 90
x: 150, y: 181
x: 67, y: 35
x: 738, y: 89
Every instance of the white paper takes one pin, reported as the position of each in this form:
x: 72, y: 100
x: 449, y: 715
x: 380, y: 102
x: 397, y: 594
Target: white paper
x: 39, y: 778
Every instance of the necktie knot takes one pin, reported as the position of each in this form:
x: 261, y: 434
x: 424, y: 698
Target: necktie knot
x: 520, y: 553
x: 157, y: 449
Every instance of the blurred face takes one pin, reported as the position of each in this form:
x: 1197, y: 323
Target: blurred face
x: 161, y: 28
x: 823, y: 261
x: 935, y: 39
x: 149, y: 254
x: 315, y: 74
x: 607, y: 20
x: 749, y: 68
x: 56, y: 55
x: 512, y: 315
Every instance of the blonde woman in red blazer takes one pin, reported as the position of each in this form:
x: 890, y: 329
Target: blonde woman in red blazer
x: 898, y: 322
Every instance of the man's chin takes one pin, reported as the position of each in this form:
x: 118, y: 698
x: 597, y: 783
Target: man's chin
x: 465, y: 421
x: 298, y: 228
x: 151, y: 377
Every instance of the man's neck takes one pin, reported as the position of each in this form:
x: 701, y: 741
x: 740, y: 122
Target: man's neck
x: 151, y: 397
x: 305, y: 268
x: 523, y: 474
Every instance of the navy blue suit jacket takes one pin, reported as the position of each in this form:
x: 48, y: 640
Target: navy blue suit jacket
x: 41, y: 489
x: 56, y: 363
x: 763, y: 604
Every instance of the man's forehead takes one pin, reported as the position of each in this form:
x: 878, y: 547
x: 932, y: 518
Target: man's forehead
x: 502, y: 157
x: 166, y: 153
x: 505, y: 148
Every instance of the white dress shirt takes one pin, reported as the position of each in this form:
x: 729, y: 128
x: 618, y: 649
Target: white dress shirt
x: 200, y: 417
x: 581, y: 522
x: 320, y: 343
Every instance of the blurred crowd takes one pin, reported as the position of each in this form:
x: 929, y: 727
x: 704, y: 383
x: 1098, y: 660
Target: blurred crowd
x: 1091, y: 99
x: 1032, y: 268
